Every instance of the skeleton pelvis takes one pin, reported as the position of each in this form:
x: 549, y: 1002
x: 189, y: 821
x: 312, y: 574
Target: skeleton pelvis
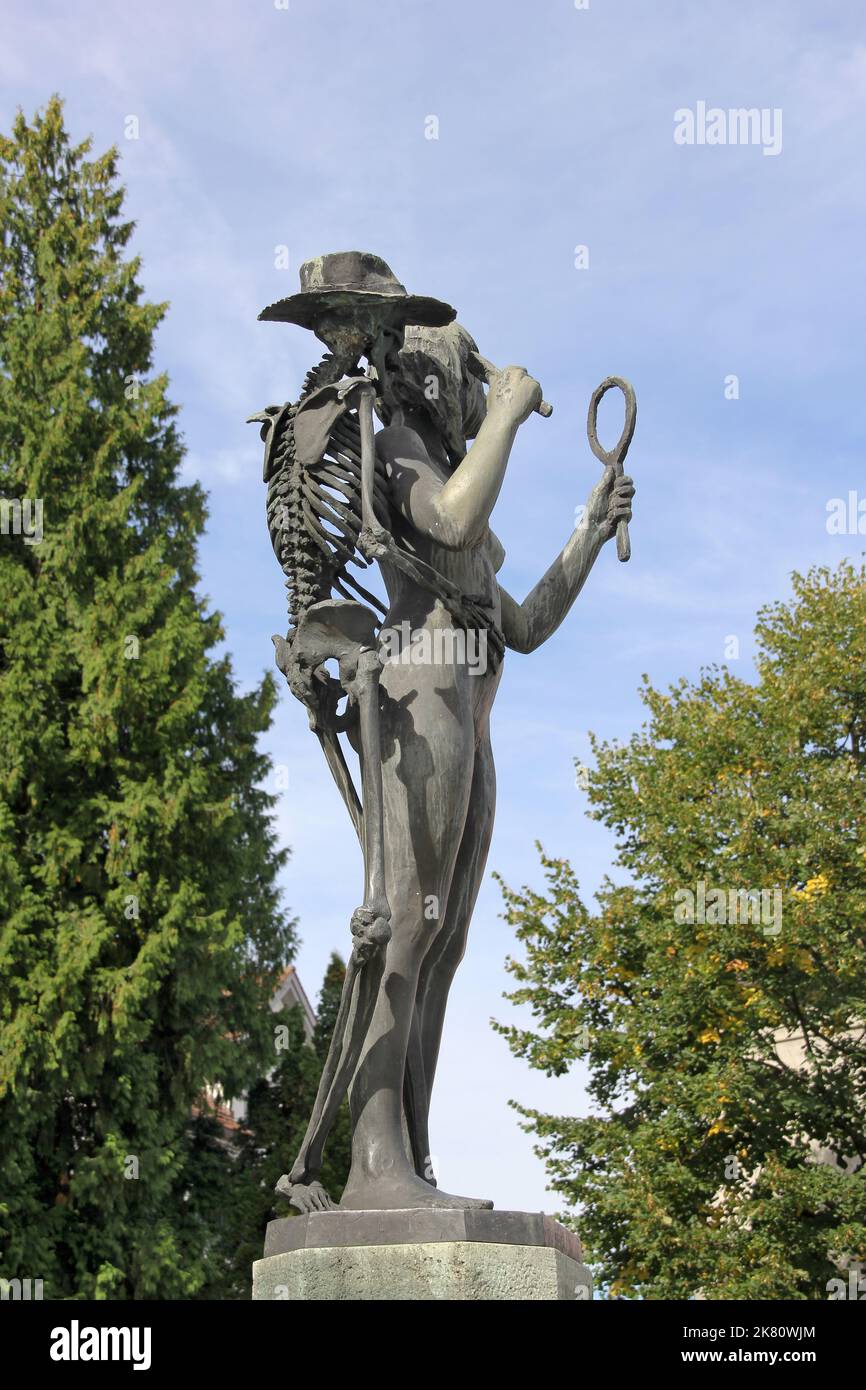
x: 334, y: 628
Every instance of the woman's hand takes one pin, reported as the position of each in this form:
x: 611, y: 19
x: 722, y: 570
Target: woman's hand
x: 609, y: 503
x: 513, y: 394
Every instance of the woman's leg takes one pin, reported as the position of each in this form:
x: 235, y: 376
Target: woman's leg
x: 428, y: 746
x: 446, y: 951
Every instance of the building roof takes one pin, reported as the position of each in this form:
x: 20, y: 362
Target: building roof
x: 290, y: 991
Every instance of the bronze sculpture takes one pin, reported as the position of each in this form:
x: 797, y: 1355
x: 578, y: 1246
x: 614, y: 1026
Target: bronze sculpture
x: 417, y: 499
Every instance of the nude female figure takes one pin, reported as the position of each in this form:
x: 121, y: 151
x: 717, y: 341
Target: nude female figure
x: 437, y: 766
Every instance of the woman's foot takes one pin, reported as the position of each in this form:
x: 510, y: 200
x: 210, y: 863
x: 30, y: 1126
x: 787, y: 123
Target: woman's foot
x: 402, y: 1190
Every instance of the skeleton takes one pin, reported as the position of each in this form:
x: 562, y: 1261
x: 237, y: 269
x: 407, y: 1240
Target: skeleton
x: 315, y: 515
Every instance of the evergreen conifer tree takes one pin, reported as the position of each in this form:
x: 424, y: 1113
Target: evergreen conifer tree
x: 141, y: 933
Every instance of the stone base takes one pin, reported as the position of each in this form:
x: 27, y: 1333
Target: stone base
x: 340, y: 1256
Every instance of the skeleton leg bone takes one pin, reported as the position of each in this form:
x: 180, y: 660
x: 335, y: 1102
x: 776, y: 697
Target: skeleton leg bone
x: 317, y: 639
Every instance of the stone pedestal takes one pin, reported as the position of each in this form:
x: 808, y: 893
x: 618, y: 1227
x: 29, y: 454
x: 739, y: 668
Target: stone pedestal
x: 340, y: 1256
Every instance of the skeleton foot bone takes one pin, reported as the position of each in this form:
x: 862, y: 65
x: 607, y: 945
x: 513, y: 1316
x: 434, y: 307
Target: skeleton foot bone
x: 306, y: 1197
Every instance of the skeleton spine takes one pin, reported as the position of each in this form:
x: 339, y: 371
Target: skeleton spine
x: 309, y: 571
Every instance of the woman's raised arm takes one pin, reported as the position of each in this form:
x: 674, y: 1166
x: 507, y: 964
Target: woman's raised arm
x: 455, y: 513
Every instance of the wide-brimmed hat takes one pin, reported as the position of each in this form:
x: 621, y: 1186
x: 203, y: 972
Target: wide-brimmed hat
x: 348, y: 279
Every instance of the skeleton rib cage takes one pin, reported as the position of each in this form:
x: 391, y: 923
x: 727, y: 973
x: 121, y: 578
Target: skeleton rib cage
x: 314, y: 509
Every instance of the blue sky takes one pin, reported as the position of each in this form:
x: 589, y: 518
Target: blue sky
x: 304, y: 127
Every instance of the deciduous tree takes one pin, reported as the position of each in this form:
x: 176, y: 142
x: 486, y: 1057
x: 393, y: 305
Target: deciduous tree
x: 723, y: 1039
